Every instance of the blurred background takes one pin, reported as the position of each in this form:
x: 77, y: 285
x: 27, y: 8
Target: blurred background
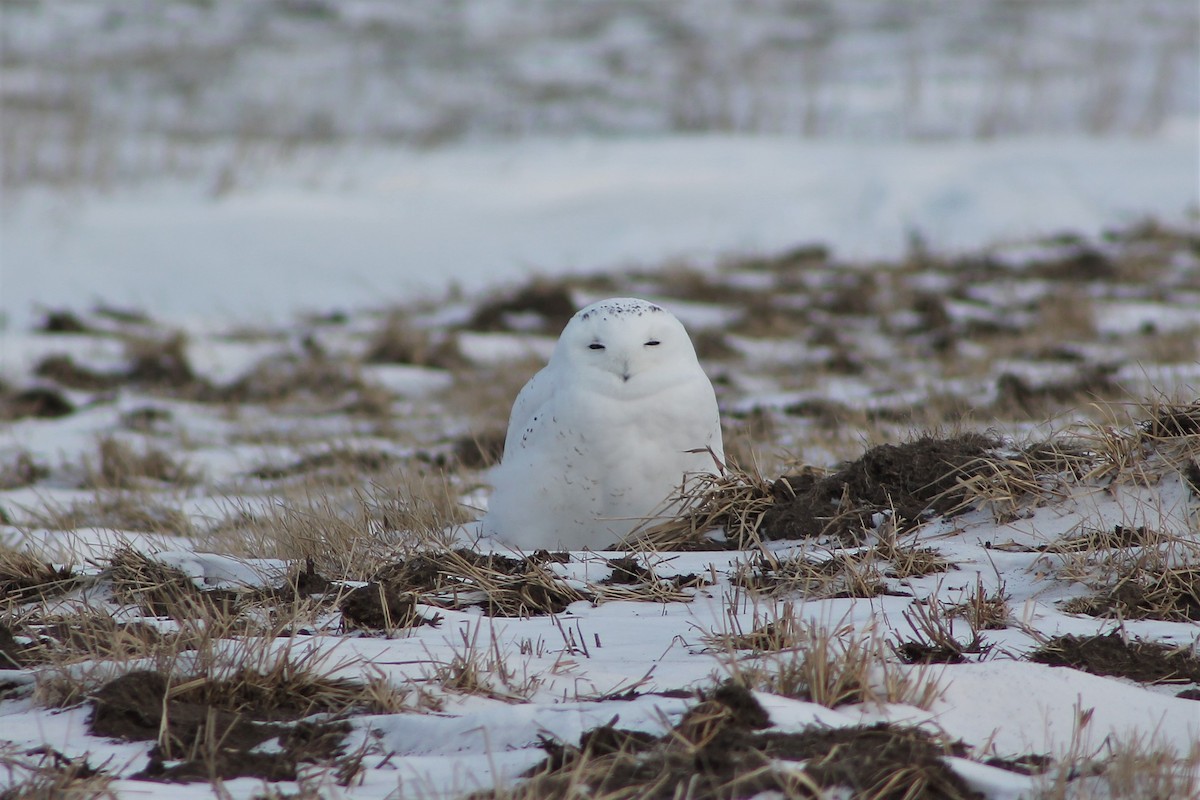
x: 212, y: 98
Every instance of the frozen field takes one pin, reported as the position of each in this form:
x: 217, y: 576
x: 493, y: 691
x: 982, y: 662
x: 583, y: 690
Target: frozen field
x: 273, y: 272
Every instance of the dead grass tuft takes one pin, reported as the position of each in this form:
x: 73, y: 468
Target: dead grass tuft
x: 163, y: 591
x: 399, y: 342
x: 842, y: 574
x: 43, y: 773
x: 120, y: 466
x: 24, y: 577
x: 501, y: 586
x: 829, y: 666
x: 734, y: 501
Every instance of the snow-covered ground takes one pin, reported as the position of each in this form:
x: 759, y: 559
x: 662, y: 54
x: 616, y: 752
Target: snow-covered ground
x: 271, y: 274
x: 382, y: 227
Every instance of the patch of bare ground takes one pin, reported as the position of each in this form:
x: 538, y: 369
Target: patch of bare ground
x: 500, y: 585
x: 36, y: 401
x: 120, y: 510
x: 911, y: 480
x: 205, y: 730
x: 719, y: 750
x: 1116, y: 654
x: 24, y: 577
x: 346, y: 465
x: 155, y: 364
x: 541, y: 306
x: 121, y: 466
x: 400, y: 342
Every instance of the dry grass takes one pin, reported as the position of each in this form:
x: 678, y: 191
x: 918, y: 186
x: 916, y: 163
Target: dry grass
x: 733, y: 501
x: 45, y: 774
x: 832, y: 666
x: 1134, y: 574
x: 1139, y: 766
x: 119, y: 510
x: 120, y: 466
x: 350, y: 535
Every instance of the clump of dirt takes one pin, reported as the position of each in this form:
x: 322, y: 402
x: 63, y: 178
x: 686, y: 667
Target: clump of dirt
x: 211, y: 728
x: 357, y: 461
x: 1016, y: 394
x: 280, y: 378
x: 1172, y: 595
x: 546, y: 307
x: 840, y: 575
x: 911, y: 479
x: 12, y: 654
x: 24, y: 577
x: 122, y: 467
x: 500, y: 585
x: 379, y: 606
x: 65, y: 372
x: 62, y: 322
x: 151, y: 363
x: 1114, y: 654
x: 881, y: 761
x: 38, y: 402
x: 164, y: 591
x: 915, y: 652
x: 480, y: 450
x: 1174, y: 421
x: 718, y: 750
x: 398, y: 342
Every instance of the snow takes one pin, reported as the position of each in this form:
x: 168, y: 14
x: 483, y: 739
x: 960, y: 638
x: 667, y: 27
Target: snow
x: 385, y: 226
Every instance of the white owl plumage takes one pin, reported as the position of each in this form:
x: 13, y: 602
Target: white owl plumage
x: 605, y: 432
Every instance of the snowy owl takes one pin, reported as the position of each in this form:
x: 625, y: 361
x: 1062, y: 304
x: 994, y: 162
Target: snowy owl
x: 605, y: 432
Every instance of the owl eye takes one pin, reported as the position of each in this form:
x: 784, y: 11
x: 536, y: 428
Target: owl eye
x: 653, y: 343
x: 595, y: 346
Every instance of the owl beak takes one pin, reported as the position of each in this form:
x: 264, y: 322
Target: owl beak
x: 625, y: 376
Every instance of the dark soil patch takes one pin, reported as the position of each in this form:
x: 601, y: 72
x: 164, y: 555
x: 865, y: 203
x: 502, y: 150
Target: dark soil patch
x: 160, y: 364
x: 62, y: 322
x: 880, y: 761
x: 277, y: 379
x: 164, y: 591
x: 912, y: 479
x: 479, y: 451
x: 914, y: 652
x: 11, y: 652
x: 509, y: 587
x: 1172, y: 595
x: 1119, y: 537
x: 1174, y: 421
x: 65, y: 372
x: 1014, y: 393
x: 1032, y: 764
x: 210, y: 739
x: 22, y: 577
x: 36, y: 402
x: 355, y: 461
x: 1113, y: 654
x: 628, y: 570
x: 841, y: 575
x: 379, y: 606
x: 719, y: 751
x: 550, y: 302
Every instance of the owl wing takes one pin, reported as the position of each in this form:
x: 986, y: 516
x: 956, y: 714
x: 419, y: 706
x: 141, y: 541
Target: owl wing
x: 527, y: 408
